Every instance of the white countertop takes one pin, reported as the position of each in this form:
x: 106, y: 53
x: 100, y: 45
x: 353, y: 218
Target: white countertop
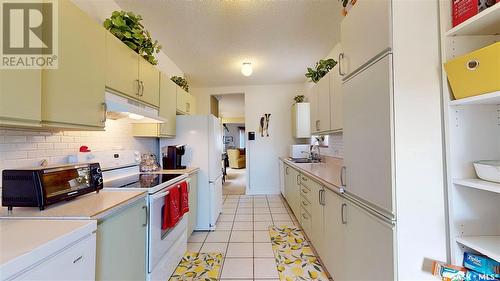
x: 24, y: 242
x: 188, y: 170
x: 89, y: 206
x: 326, y: 172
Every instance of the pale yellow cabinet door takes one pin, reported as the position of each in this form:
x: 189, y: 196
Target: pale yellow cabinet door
x: 324, y: 104
x: 317, y: 220
x: 20, y: 97
x: 149, y: 78
x: 313, y: 100
x: 168, y: 102
x: 332, y: 254
x: 335, y: 101
x: 73, y: 94
x: 182, y: 100
x: 121, y: 244
x: 122, y: 67
x: 192, y: 105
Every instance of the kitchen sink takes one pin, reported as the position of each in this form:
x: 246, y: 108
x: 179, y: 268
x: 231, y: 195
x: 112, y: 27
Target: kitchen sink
x: 304, y: 160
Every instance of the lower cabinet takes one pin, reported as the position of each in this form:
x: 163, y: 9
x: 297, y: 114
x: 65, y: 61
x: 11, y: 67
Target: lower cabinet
x: 122, y: 243
x: 77, y: 262
x: 344, y: 234
x: 292, y: 189
x: 193, y: 202
x: 369, y: 241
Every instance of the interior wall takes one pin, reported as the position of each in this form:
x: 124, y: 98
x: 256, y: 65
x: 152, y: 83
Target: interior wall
x: 28, y: 148
x: 102, y: 9
x: 262, y: 153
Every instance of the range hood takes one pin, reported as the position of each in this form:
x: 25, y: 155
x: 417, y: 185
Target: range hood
x: 119, y: 107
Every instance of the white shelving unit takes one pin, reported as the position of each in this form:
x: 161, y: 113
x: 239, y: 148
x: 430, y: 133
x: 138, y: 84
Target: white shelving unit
x: 487, y: 245
x: 472, y: 132
x: 478, y: 184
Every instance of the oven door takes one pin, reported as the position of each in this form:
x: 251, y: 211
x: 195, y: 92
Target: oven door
x: 161, y: 241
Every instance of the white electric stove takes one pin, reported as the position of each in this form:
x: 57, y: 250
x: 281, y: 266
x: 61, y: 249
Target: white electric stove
x: 120, y: 171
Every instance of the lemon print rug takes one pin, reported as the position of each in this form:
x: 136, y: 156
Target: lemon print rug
x: 198, y: 266
x: 294, y: 256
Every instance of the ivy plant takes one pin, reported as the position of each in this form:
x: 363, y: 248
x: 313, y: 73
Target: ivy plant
x: 181, y: 82
x: 322, y: 68
x: 127, y: 27
x: 299, y: 98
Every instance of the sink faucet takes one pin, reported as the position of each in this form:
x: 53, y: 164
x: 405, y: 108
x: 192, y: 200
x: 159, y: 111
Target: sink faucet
x: 315, y: 153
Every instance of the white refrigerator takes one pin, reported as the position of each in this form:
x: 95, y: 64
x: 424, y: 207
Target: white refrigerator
x: 202, y: 135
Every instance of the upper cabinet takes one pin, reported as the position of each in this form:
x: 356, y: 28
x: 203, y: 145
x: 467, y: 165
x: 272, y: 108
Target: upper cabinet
x: 186, y: 103
x: 129, y: 74
x: 365, y: 33
x: 73, y: 94
x: 301, y: 116
x: 20, y: 97
x: 326, y: 104
x: 168, y: 106
x: 323, y: 115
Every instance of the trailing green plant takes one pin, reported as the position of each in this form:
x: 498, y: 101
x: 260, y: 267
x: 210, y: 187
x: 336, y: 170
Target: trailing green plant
x: 181, y: 82
x: 322, y: 68
x: 127, y: 27
x: 299, y: 98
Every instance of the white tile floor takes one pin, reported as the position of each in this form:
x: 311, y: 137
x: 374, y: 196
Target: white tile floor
x: 242, y: 236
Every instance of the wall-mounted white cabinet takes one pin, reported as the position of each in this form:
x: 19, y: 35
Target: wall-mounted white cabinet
x: 301, y: 120
x: 325, y: 98
x: 186, y: 103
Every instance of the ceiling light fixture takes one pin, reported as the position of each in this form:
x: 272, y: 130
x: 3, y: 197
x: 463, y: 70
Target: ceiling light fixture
x: 246, y: 69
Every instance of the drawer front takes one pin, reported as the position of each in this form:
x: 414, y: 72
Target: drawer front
x: 305, y: 192
x: 74, y: 263
x: 305, y: 204
x: 305, y: 221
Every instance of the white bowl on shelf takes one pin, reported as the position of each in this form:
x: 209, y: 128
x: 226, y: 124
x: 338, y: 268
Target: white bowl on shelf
x: 488, y: 170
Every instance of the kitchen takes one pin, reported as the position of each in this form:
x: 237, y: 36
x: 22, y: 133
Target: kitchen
x: 396, y: 191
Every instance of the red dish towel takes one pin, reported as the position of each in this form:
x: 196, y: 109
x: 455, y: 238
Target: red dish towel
x: 184, y: 203
x: 172, y: 209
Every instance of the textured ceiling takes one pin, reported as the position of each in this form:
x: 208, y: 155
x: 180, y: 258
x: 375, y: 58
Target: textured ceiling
x: 210, y: 39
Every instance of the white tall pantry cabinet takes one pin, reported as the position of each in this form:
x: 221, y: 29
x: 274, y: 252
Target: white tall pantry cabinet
x: 390, y: 66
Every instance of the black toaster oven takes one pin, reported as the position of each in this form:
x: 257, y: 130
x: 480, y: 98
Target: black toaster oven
x: 39, y: 187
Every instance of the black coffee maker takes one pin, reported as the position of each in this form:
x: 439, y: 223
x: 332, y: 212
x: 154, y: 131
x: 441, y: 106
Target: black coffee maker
x: 172, y: 159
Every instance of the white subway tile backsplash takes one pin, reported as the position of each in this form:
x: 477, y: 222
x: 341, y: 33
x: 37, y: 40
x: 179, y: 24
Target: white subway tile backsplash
x: 14, y: 139
x: 53, y: 138
x: 28, y: 148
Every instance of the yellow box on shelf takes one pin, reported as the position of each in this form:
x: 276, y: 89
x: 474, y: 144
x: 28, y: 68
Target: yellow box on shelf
x: 475, y: 73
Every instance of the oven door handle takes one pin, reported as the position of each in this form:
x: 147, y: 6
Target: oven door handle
x: 159, y: 195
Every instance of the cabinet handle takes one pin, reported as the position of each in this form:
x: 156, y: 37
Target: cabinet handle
x: 304, y: 216
x: 319, y: 197
x: 342, y: 212
x: 305, y: 190
x: 343, y: 170
x: 104, y: 112
x: 304, y: 203
x: 341, y: 57
x: 317, y: 125
x: 145, y: 208
x: 78, y: 259
x: 142, y: 86
x: 304, y: 178
x: 188, y: 107
x: 298, y: 180
x: 286, y: 170
x: 138, y: 87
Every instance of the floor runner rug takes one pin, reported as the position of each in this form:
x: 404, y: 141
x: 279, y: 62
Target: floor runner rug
x: 294, y: 257
x: 198, y: 266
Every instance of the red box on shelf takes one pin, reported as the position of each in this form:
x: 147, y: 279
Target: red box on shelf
x: 462, y: 10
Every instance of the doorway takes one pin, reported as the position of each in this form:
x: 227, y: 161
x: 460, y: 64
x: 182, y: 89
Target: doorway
x: 231, y: 112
